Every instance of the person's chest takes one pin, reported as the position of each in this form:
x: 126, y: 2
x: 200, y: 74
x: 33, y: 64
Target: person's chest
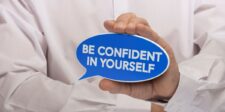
x: 72, y: 21
x: 173, y: 20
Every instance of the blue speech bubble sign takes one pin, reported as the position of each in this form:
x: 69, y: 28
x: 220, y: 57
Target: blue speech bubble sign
x: 122, y: 58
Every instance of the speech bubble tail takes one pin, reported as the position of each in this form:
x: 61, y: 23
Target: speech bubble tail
x: 85, y: 76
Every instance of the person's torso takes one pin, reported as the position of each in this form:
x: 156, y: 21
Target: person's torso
x: 66, y: 23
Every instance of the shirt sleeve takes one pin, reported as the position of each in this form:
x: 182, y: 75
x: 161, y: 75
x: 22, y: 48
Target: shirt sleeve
x: 202, y: 81
x: 24, y: 82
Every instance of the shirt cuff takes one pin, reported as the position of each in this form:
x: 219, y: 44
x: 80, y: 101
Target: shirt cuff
x: 87, y: 97
x: 125, y: 102
x: 182, y: 101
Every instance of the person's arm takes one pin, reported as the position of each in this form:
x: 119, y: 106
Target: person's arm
x: 201, y: 88
x: 24, y: 85
x: 24, y: 82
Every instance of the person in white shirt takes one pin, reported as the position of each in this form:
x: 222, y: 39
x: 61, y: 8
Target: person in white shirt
x: 39, y: 72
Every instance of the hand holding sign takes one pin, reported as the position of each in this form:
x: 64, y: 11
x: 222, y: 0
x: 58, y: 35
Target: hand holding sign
x: 164, y: 86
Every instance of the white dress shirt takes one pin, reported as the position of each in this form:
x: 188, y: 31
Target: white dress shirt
x: 39, y: 71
